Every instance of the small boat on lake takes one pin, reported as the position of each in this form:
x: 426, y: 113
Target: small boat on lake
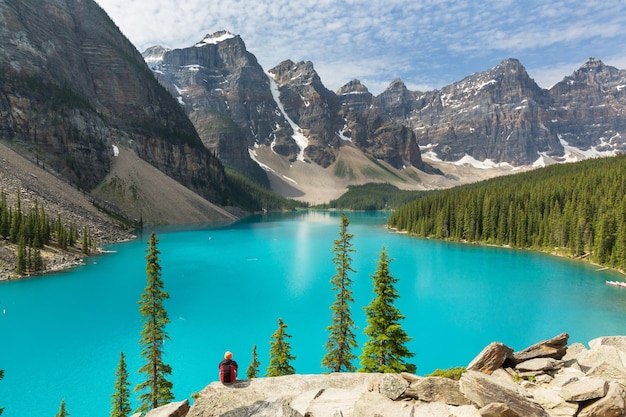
x: 616, y: 283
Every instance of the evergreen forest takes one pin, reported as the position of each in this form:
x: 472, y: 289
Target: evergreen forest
x: 577, y: 209
x: 373, y: 196
x: 30, y: 231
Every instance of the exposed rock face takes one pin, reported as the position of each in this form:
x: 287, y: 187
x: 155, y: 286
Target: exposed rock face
x: 502, y: 115
x: 356, y: 96
x: 498, y: 115
x: 564, y: 392
x: 227, y: 96
x: 72, y: 85
x: 235, y: 106
x: 591, y: 107
x: 311, y: 106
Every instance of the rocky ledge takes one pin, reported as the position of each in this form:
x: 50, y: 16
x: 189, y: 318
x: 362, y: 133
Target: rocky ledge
x: 548, y: 379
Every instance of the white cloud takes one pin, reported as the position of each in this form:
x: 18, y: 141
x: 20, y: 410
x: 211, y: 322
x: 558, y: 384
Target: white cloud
x: 427, y: 43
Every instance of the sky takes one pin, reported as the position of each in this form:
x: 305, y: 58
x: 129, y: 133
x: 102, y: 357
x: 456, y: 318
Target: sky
x: 428, y: 44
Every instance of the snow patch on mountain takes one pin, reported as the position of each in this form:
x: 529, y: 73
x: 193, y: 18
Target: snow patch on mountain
x: 301, y: 140
x: 214, y: 39
x: 486, y: 164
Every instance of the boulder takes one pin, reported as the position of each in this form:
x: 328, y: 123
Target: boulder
x: 482, y: 390
x: 608, y: 373
x: 497, y: 410
x: 259, y: 395
x: 178, y: 409
x: 539, y: 365
x: 600, y: 354
x: 375, y: 404
x: 553, y: 348
x: 612, y: 405
x: 410, y: 377
x: 553, y: 403
x: 618, y: 342
x: 566, y: 376
x: 573, y: 350
x: 437, y: 389
x: 393, y: 386
x: 330, y: 402
x: 584, y: 389
x: 491, y: 358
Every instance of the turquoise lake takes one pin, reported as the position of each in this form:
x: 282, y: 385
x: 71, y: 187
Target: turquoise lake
x: 61, y: 335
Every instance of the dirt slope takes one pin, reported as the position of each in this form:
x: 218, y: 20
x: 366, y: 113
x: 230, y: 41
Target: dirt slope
x: 143, y: 192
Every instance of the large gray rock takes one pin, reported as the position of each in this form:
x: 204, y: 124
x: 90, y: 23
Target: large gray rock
x: 608, y: 373
x: 612, y: 405
x: 584, y: 389
x: 177, y: 409
x: 491, y: 358
x: 553, y: 403
x: 482, y: 390
x: 393, y: 386
x: 437, y: 389
x: 497, y: 410
x: 600, y: 354
x: 539, y: 365
x: 618, y: 342
x: 300, y: 392
x: 554, y: 348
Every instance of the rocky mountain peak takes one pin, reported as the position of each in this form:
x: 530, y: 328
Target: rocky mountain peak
x: 397, y: 85
x: 302, y: 73
x: 154, y: 54
x: 215, y: 38
x: 592, y: 64
x: 355, y: 95
x: 353, y: 87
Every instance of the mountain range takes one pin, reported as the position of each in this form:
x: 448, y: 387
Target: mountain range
x: 286, y: 118
x: 78, y: 100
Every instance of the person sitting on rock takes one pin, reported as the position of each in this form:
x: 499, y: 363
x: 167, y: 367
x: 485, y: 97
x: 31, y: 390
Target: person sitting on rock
x: 228, y: 369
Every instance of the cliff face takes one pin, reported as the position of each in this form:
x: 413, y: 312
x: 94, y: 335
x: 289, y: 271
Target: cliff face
x: 502, y: 115
x: 73, y: 85
x: 590, y: 107
x: 226, y: 95
x: 236, y: 106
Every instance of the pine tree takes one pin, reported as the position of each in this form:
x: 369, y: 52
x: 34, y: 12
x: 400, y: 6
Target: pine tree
x: 341, y: 340
x: 62, y: 411
x: 385, y: 348
x: 120, y: 400
x: 280, y: 353
x: 20, y: 266
x: 158, y: 390
x: 253, y: 369
x: 1, y: 376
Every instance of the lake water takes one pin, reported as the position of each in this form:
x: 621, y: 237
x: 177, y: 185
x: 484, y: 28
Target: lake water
x: 61, y: 335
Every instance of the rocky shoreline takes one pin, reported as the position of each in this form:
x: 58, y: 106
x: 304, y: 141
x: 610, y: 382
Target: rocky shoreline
x: 548, y: 379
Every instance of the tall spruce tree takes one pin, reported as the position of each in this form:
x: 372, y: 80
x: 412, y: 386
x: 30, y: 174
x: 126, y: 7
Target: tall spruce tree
x: 62, y: 411
x: 385, y: 348
x: 157, y: 389
x: 253, y: 369
x: 341, y: 340
x: 280, y: 353
x: 120, y: 400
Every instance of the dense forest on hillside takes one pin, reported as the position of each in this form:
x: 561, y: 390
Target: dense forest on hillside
x: 31, y: 231
x: 577, y: 208
x: 249, y: 195
x: 373, y: 196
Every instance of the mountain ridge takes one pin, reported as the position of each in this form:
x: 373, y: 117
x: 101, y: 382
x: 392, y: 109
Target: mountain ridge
x: 498, y: 120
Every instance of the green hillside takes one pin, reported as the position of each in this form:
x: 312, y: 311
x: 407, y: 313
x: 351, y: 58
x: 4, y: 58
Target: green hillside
x: 578, y: 208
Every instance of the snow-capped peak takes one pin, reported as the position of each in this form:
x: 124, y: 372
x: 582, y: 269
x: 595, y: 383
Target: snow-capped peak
x: 215, y: 38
